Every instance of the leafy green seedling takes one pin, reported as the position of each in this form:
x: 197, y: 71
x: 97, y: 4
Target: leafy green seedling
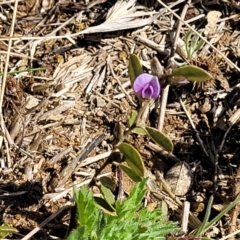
x: 132, y: 220
x: 193, y: 44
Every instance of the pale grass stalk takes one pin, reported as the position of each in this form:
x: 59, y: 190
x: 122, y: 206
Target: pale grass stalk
x: 4, y: 80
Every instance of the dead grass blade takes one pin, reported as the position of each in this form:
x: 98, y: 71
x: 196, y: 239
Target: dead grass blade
x: 123, y: 15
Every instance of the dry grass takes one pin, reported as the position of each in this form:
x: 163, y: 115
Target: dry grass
x: 57, y: 124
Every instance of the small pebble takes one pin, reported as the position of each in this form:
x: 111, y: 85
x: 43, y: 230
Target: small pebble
x: 99, y: 113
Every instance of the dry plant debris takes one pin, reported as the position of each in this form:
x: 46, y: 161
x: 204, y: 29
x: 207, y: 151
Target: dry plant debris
x: 50, y: 117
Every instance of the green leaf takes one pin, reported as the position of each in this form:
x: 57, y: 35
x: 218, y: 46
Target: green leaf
x: 191, y: 73
x: 130, y: 173
x: 132, y: 118
x: 221, y: 214
x: 193, y: 43
x: 127, y: 209
x: 199, y: 45
x: 6, y: 229
x: 134, y: 68
x: 160, y: 138
x: 139, y: 130
x: 107, y: 194
x: 88, y: 212
x: 187, y: 43
x: 201, y: 228
x: 133, y: 158
x: 131, y: 220
x: 107, y: 182
x: 79, y: 233
x: 105, y: 206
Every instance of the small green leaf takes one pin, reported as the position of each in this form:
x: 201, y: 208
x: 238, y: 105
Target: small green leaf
x: 187, y: 43
x: 130, y: 173
x: 104, y: 205
x: 134, y: 68
x: 132, y: 118
x: 6, y: 229
x: 107, y: 194
x: 199, y: 45
x: 133, y: 158
x: 192, y: 73
x: 139, y: 130
x: 107, y: 182
x: 160, y: 138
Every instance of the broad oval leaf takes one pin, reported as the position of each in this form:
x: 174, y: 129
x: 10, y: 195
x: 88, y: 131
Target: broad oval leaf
x: 133, y: 158
x: 130, y: 173
x: 160, y: 138
x: 134, y: 68
x: 191, y: 73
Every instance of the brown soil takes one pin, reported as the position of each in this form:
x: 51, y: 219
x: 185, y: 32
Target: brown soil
x: 50, y: 117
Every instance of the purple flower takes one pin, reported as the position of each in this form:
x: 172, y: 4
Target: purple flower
x: 147, y: 86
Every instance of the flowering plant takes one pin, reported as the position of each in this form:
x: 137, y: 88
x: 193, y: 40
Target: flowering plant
x: 147, y: 86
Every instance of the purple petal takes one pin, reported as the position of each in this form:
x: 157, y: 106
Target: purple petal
x: 155, y: 86
x: 147, y: 86
x: 141, y: 81
x: 147, y: 91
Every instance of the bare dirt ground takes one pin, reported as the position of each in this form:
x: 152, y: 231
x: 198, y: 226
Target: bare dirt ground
x: 57, y: 123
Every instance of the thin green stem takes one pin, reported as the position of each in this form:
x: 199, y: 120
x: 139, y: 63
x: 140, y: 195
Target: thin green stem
x: 25, y: 70
x: 222, y: 213
x: 206, y: 217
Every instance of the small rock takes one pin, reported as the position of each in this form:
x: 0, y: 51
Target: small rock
x: 179, y: 178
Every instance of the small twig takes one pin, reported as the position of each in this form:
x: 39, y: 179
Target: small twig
x: 163, y: 152
x: 165, y: 91
x: 232, y: 120
x: 94, y: 159
x: 120, y: 195
x: 4, y: 78
x: 35, y: 230
x: 119, y: 83
x: 151, y: 44
x: 108, y: 100
x: 67, y: 172
x: 230, y: 235
x: 162, y: 109
x: 185, y: 216
x: 234, y: 213
x: 193, y: 127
